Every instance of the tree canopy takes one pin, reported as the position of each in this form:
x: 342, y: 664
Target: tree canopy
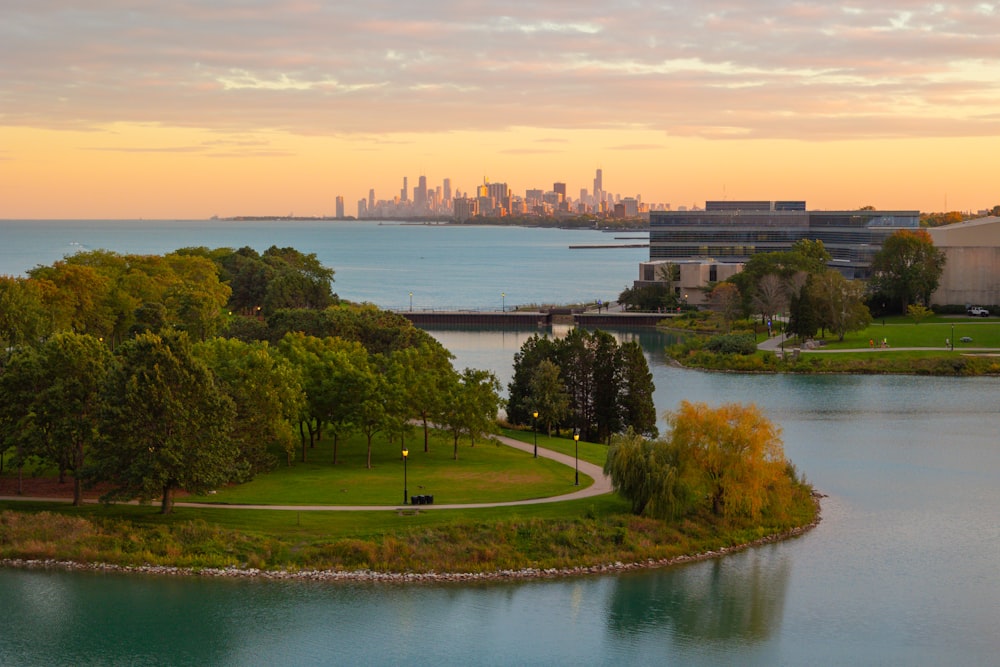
x: 608, y: 386
x: 727, y: 460
x: 907, y: 269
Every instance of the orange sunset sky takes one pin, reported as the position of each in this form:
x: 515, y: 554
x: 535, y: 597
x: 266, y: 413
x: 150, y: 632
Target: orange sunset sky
x: 118, y: 109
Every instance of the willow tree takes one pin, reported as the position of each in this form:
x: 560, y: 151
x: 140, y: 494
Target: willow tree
x: 732, y: 455
x: 727, y: 460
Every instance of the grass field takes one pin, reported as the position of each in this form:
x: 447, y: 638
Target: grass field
x: 484, y: 473
x: 933, y: 332
x: 569, y: 534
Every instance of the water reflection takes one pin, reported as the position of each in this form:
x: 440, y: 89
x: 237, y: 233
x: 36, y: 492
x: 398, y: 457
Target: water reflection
x: 740, y: 597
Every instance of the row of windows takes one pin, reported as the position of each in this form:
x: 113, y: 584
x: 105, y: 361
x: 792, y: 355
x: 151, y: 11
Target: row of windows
x: 758, y: 236
x: 784, y: 219
x: 852, y: 255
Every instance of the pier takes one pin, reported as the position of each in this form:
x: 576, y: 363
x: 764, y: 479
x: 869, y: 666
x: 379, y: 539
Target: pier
x: 516, y: 319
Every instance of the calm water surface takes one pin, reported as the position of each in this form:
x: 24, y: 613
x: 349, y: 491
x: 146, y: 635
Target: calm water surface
x: 902, y: 570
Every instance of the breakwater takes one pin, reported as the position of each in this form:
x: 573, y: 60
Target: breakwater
x: 534, y: 319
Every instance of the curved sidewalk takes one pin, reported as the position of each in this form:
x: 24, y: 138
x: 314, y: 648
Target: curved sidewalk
x: 773, y: 344
x: 601, y: 486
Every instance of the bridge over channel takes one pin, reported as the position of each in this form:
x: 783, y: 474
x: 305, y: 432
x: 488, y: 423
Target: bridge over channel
x: 589, y: 319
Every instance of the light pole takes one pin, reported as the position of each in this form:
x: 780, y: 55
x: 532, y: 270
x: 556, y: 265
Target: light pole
x: 411, y: 302
x: 952, y: 336
x: 576, y: 456
x: 534, y: 427
x: 503, y: 302
x: 406, y: 495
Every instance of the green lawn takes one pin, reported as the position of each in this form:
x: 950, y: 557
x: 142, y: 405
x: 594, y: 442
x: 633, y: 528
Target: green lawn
x: 484, y: 473
x: 984, y: 332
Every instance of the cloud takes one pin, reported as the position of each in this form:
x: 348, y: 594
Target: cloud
x: 767, y: 69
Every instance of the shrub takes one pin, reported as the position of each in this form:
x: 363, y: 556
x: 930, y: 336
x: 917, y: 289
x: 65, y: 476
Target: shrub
x: 732, y: 344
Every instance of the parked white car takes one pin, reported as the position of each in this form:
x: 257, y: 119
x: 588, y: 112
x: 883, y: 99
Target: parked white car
x: 977, y: 311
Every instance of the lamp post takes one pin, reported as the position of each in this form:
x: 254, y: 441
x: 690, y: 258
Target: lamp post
x: 411, y: 302
x: 952, y: 336
x: 576, y: 456
x: 406, y: 495
x: 534, y: 427
x: 503, y: 302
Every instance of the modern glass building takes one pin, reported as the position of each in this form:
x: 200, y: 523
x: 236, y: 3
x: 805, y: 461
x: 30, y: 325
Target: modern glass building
x: 733, y: 231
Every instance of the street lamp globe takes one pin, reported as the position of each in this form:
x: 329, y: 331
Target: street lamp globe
x: 534, y: 428
x: 576, y: 456
x: 406, y: 495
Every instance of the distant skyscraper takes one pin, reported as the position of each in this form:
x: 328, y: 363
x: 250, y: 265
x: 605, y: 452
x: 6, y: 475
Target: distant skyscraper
x: 598, y: 187
x: 362, y: 209
x: 447, y: 189
x: 371, y: 199
x: 560, y: 189
x: 420, y: 193
x: 404, y: 194
x: 340, y: 206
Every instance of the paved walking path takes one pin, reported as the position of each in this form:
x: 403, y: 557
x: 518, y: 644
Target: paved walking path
x: 601, y: 486
x: 774, y: 345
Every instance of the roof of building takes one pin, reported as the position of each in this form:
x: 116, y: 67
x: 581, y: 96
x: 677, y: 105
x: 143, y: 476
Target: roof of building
x: 984, y: 232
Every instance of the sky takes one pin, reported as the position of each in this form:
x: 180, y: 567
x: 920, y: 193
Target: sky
x: 188, y: 109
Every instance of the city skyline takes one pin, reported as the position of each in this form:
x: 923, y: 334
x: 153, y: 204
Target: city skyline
x: 181, y: 111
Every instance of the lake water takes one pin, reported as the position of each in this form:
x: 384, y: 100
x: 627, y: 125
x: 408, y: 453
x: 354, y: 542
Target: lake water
x: 902, y: 570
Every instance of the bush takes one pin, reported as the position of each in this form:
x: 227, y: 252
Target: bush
x: 732, y: 344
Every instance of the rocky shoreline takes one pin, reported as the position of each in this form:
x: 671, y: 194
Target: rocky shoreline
x: 403, y: 577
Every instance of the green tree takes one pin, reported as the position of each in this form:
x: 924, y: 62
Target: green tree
x: 918, y: 313
x: 533, y: 351
x: 805, y: 257
x: 167, y: 423
x: 607, y: 384
x: 642, y: 472
x: 337, y: 380
x: 908, y: 268
x: 197, y: 299
x: 426, y: 378
x: 838, y: 302
x: 639, y: 411
x: 548, y: 395
x: 802, y: 318
x: 21, y: 381
x: 651, y: 297
x: 67, y: 403
x: 298, y: 281
x: 76, y: 298
x: 472, y: 409
x: 23, y: 320
x: 267, y: 393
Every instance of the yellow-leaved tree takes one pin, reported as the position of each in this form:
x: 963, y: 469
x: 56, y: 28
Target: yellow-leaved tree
x: 729, y: 460
x: 732, y: 455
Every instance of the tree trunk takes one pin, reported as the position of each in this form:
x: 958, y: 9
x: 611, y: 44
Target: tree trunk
x: 336, y: 438
x: 167, y: 503
x: 77, y: 467
x: 369, y: 451
x: 426, y: 430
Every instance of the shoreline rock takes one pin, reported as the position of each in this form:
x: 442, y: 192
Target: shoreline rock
x: 371, y: 576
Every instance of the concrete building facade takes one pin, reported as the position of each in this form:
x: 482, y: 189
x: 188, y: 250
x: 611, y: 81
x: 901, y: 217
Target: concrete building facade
x: 971, y: 273
x: 733, y: 231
